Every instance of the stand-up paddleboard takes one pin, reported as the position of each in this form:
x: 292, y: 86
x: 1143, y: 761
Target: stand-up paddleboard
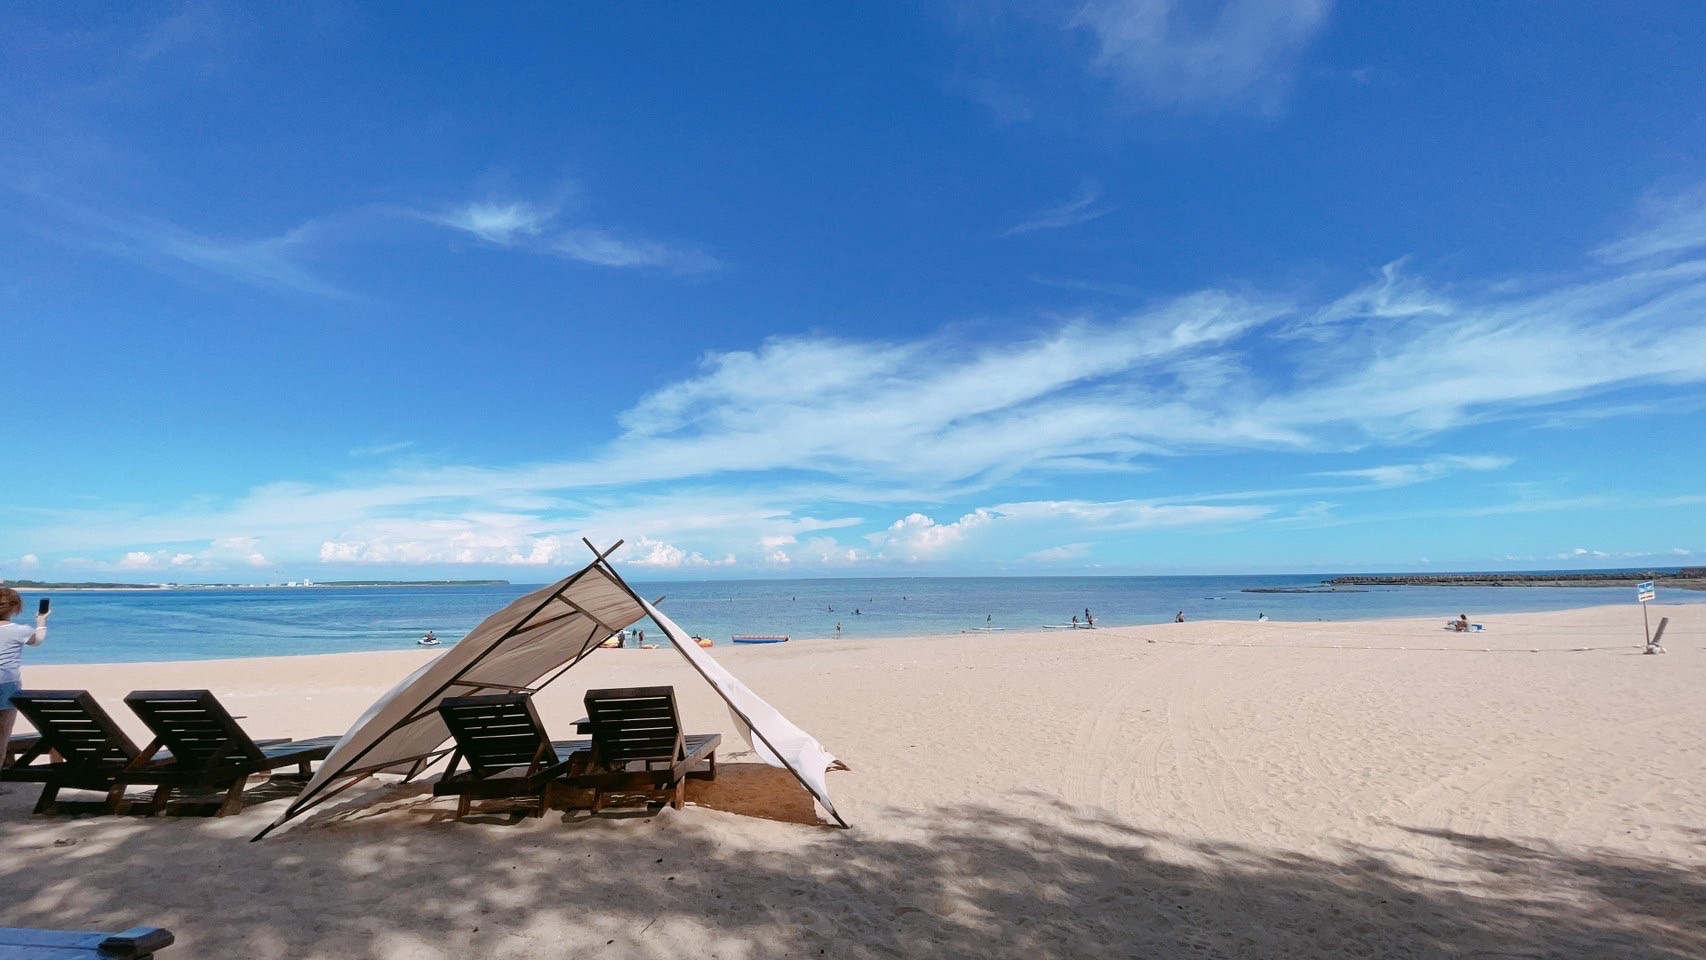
x: 759, y: 638
x: 1069, y: 626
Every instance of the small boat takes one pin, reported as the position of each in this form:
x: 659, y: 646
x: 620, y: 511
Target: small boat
x: 427, y: 641
x: 759, y: 638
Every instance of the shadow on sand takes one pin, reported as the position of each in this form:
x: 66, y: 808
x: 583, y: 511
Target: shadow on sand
x: 399, y: 880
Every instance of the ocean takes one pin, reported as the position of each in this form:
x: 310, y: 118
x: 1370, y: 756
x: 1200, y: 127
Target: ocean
x: 92, y: 626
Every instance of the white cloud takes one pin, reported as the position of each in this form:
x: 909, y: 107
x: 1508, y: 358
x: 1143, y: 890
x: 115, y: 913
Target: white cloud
x: 1064, y: 553
x: 218, y: 555
x: 501, y: 223
x: 659, y: 555
x: 542, y: 229
x: 1190, y: 56
x: 1080, y: 209
x: 607, y: 250
x: 193, y: 28
x: 275, y: 262
x: 476, y: 537
x: 1674, y: 225
x: 1126, y: 514
x: 917, y: 537
x: 1405, y: 474
x: 380, y: 449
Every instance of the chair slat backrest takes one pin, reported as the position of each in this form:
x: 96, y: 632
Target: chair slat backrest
x: 72, y: 723
x: 634, y: 723
x: 496, y: 732
x: 195, y: 727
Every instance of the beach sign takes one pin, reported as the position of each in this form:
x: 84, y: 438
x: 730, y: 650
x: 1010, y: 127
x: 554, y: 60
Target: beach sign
x: 1643, y: 593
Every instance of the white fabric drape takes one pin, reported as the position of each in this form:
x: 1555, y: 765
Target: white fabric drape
x: 775, y: 738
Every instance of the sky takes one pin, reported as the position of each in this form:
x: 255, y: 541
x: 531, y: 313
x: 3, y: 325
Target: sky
x: 421, y: 291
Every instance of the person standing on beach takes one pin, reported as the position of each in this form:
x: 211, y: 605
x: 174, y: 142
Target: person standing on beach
x: 14, y: 637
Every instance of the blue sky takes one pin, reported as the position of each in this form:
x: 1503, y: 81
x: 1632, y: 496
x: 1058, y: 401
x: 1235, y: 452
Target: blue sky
x: 406, y: 290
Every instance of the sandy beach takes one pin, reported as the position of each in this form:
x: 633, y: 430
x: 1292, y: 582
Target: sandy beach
x: 1205, y: 789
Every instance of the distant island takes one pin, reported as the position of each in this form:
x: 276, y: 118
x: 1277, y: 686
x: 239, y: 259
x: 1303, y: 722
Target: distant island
x: 299, y: 584
x: 1687, y: 578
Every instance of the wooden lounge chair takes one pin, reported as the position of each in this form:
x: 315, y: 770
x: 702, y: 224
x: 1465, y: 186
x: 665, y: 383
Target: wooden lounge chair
x: 208, y: 748
x: 137, y: 943
x: 506, y: 750
x: 93, y: 751
x: 638, y: 746
x: 20, y: 743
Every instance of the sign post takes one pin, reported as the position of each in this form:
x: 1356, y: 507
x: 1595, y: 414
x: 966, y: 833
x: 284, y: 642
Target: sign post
x: 1643, y: 593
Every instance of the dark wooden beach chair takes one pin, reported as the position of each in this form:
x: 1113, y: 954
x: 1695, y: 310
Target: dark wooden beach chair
x: 506, y: 751
x: 93, y: 751
x: 19, y: 743
x: 137, y: 943
x: 638, y: 746
x: 203, y: 746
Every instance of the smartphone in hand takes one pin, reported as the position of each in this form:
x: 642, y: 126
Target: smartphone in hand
x: 41, y: 608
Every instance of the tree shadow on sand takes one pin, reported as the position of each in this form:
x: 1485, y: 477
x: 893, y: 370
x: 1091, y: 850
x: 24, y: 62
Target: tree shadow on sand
x: 400, y: 881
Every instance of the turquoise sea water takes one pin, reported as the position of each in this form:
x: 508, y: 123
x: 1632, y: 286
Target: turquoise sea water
x: 192, y: 624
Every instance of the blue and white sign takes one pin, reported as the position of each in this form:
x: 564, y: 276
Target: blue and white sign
x: 1644, y: 591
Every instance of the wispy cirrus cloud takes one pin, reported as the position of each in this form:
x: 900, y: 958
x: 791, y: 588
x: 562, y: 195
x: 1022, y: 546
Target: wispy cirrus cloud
x: 1406, y: 474
x: 1672, y: 225
x: 1082, y: 208
x: 1177, y: 54
x: 498, y: 223
x: 544, y: 229
x: 381, y: 449
x: 278, y: 262
x: 598, y: 247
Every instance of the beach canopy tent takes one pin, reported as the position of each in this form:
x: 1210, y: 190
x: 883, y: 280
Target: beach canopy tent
x: 524, y: 647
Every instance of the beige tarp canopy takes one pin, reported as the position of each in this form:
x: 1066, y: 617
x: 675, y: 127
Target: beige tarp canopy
x: 523, y: 647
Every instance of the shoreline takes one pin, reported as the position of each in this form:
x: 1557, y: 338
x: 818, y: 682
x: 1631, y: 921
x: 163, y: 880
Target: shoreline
x: 903, y: 642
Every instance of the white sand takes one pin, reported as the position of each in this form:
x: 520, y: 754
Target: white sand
x: 1381, y: 789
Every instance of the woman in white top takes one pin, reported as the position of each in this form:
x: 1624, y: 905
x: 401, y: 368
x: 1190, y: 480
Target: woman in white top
x: 13, y: 638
